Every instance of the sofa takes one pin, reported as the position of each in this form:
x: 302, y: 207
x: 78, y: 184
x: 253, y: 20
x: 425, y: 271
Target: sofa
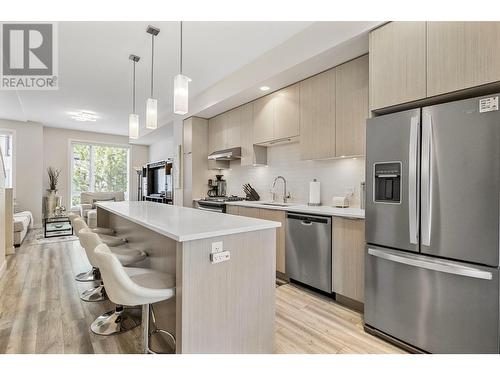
x: 22, y: 222
x: 88, y: 200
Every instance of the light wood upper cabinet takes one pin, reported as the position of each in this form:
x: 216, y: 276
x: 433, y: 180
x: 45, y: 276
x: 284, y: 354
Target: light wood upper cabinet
x: 232, y: 128
x: 224, y: 130
x: 348, y: 254
x: 333, y: 111
x: 286, y: 112
x: 317, y: 116
x: 263, y: 119
x: 276, y: 116
x: 462, y: 55
x: 397, y: 64
x: 351, y: 92
x: 216, y: 133
x: 246, y: 133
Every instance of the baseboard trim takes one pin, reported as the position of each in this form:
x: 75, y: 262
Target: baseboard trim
x: 349, y: 302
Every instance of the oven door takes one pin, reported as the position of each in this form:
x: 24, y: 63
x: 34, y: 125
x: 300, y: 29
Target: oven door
x: 212, y: 206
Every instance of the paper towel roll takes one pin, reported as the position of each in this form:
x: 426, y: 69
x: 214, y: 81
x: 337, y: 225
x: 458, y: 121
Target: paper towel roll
x: 314, y: 193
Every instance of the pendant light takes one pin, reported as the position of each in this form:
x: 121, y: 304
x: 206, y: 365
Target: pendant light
x: 133, y: 118
x: 181, y: 88
x: 151, y: 103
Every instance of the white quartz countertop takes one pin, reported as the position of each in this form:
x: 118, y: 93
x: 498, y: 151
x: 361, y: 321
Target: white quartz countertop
x: 354, y: 213
x: 183, y: 223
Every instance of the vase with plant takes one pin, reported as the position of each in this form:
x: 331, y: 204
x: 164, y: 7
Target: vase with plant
x: 52, y: 200
x: 53, y: 178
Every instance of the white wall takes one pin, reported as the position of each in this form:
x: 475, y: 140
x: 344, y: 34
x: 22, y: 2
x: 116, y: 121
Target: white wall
x: 335, y: 175
x: 56, y: 154
x: 162, y: 149
x: 28, y: 165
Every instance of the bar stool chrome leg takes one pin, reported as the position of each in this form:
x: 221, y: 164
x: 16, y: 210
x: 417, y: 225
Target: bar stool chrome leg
x: 148, y: 334
x: 95, y: 294
x: 118, y: 321
x: 92, y: 275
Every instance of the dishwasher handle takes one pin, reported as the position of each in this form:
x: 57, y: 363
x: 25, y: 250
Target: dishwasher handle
x: 309, y: 219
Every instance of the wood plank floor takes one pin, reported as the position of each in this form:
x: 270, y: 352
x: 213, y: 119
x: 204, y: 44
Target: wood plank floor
x: 41, y: 312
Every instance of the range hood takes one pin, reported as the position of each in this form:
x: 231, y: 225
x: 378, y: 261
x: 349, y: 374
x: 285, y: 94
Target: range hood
x: 228, y: 154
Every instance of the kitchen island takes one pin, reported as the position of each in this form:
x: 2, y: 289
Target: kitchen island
x: 226, y: 307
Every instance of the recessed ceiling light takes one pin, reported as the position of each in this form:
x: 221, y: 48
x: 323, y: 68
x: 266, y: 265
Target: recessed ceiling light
x: 83, y: 116
x: 264, y: 88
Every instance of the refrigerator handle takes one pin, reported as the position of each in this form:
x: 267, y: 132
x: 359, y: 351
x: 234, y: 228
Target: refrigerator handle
x: 412, y: 181
x: 426, y: 188
x: 431, y: 264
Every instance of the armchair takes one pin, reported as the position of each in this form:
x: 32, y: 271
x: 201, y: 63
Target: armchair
x: 89, y: 199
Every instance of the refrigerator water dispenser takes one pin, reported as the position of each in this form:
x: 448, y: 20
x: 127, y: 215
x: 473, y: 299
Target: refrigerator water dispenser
x: 387, y: 182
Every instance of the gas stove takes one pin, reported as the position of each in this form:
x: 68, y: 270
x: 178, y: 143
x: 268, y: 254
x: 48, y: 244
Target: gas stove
x: 217, y: 204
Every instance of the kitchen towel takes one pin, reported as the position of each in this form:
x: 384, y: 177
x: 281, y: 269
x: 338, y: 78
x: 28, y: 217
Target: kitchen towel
x: 314, y: 193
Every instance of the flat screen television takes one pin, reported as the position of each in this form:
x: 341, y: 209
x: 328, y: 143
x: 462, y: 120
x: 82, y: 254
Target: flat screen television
x: 159, y: 177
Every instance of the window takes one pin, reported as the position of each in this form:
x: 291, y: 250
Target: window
x: 96, y: 167
x: 7, y: 154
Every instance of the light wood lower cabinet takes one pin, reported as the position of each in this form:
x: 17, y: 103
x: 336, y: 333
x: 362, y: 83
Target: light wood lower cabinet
x: 348, y: 257
x: 249, y: 212
x: 265, y: 214
x: 232, y: 210
x: 276, y: 215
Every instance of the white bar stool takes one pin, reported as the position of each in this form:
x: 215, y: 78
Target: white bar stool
x: 73, y: 216
x: 125, y: 255
x: 93, y: 274
x: 108, y: 239
x: 128, y: 286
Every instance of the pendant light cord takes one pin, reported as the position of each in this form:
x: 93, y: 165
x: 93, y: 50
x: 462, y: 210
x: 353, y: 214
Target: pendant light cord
x: 133, y: 92
x: 181, y: 51
x: 152, y: 61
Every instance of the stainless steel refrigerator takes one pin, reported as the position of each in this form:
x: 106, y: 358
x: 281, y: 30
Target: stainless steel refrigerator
x: 432, y: 226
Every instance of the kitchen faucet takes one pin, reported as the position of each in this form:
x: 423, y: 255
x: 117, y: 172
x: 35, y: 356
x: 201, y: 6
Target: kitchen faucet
x: 285, y: 195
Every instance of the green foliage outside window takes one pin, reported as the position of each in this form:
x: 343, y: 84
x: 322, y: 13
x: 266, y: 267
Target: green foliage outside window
x: 98, y: 168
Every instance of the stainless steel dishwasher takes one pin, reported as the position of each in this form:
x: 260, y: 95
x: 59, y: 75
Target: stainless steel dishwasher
x: 309, y: 250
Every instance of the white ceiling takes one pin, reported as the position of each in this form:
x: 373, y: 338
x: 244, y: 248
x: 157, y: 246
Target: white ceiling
x: 95, y: 73
x: 318, y: 47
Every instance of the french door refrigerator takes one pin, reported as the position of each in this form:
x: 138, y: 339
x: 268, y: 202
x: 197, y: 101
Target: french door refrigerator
x: 432, y: 226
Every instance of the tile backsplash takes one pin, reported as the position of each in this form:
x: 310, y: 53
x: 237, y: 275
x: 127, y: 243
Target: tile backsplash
x: 336, y: 175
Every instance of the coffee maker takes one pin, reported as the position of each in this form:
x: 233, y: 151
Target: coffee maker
x: 217, y: 187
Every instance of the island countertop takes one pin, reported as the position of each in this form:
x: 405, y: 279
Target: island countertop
x: 183, y: 223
